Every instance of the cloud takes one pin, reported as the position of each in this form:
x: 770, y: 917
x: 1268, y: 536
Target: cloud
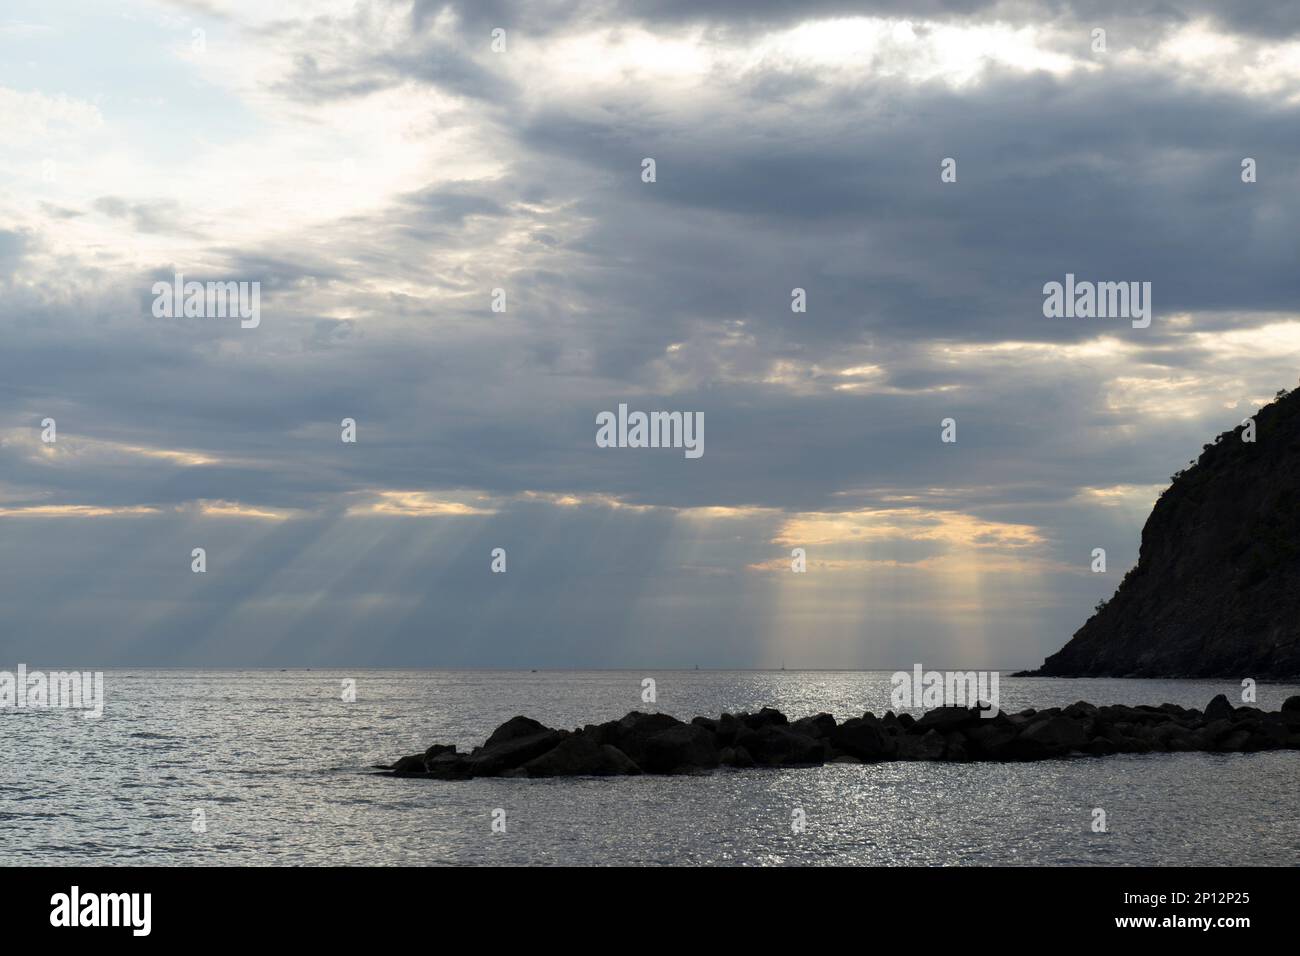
x: 381, y: 171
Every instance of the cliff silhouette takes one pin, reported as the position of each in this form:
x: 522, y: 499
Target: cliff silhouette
x: 1216, y: 590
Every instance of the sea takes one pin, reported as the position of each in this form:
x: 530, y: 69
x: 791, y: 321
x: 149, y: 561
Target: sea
x: 275, y: 768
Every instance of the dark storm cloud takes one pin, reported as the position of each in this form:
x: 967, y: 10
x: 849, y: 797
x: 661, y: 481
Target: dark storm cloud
x: 1122, y: 177
x: 671, y: 295
x: 1266, y: 19
x: 892, y: 261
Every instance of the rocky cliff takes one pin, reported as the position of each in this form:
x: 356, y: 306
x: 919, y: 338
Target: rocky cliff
x: 1216, y: 590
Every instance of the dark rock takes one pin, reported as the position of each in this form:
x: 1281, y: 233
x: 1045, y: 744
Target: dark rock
x: 638, y: 724
x: 1132, y: 745
x: 1166, y: 736
x: 580, y: 755
x: 1218, y: 708
x: 513, y: 728
x: 1269, y: 735
x: 1234, y: 741
x: 1100, y: 747
x: 1290, y: 718
x: 1079, y: 710
x: 1021, y: 720
x: 735, y: 757
x: 729, y: 726
x: 991, y: 740
x: 659, y: 743
x: 514, y: 751
x: 946, y: 719
x: 1050, y: 737
x: 411, y: 764
x: 682, y: 746
x: 449, y: 765
x: 927, y: 746
x: 1214, y: 591
x: 955, y: 746
x: 1208, y: 737
x: 630, y: 733
x: 765, y: 717
x: 861, y: 738
x: 820, y: 726
x: 774, y: 745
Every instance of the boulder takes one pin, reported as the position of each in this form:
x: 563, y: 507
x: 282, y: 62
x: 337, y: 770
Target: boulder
x: 1208, y: 737
x: 728, y: 726
x: 990, y: 739
x: 1050, y: 737
x: 955, y: 746
x: 708, y: 723
x: 1290, y: 713
x: 580, y: 755
x: 1080, y: 709
x: 1100, y: 747
x: 737, y: 757
x: 630, y: 733
x: 495, y: 758
x: 683, y: 746
x: 449, y: 765
x: 1218, y: 708
x: 861, y: 738
x: 775, y: 745
x: 513, y: 728
x: 927, y: 746
x: 1022, y: 720
x: 765, y: 717
x: 820, y: 726
x: 636, y: 723
x: 945, y: 719
x: 1269, y: 735
x: 1132, y: 745
x: 1234, y: 740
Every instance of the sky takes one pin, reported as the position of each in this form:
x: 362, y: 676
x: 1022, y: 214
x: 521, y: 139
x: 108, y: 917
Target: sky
x: 380, y: 168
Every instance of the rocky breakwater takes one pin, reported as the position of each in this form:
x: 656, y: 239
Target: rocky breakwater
x: 661, y: 744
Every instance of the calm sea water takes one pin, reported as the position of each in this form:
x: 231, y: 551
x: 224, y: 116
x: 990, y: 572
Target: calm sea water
x: 279, y: 765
